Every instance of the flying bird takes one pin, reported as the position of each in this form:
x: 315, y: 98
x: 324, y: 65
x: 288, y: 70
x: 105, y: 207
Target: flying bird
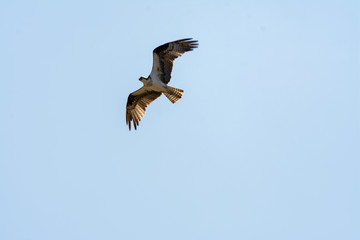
x: 156, y: 83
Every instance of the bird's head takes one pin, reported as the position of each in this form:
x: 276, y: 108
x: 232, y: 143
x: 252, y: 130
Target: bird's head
x: 142, y: 79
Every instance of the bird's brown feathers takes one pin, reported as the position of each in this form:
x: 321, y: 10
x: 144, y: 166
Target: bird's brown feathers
x: 136, y: 105
x: 164, y: 56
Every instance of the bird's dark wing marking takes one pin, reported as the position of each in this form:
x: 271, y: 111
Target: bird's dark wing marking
x: 164, y: 56
x: 136, y: 105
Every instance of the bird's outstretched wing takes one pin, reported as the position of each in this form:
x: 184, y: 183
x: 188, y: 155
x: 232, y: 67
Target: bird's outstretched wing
x: 164, y: 56
x: 137, y: 103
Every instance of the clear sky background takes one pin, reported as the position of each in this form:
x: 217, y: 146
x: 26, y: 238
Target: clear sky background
x: 264, y: 143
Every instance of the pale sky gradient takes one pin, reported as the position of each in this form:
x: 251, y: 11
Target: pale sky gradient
x: 264, y: 143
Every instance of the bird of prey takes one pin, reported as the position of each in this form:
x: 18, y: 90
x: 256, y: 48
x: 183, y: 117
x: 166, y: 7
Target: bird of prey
x: 156, y: 83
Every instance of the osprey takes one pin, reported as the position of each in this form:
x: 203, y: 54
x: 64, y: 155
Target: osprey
x: 156, y: 83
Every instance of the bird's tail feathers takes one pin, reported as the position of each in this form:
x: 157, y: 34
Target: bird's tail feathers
x: 173, y: 94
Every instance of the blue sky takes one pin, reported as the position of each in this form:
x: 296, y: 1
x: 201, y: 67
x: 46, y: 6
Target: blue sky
x: 264, y: 143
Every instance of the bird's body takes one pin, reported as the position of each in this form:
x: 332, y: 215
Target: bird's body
x: 156, y: 83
